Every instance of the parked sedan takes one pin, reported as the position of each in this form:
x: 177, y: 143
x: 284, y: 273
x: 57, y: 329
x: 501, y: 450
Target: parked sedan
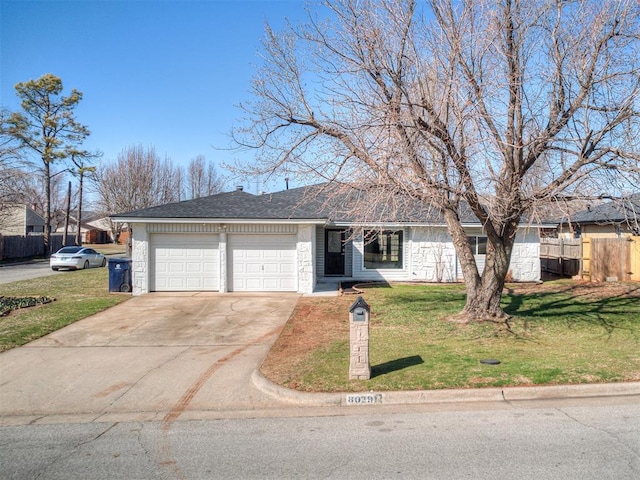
x: 76, y: 258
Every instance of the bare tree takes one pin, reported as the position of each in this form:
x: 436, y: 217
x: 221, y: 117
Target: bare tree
x: 497, y: 105
x: 11, y: 175
x: 202, y: 179
x: 138, y: 178
x: 81, y: 167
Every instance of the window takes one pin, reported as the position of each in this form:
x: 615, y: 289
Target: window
x: 478, y: 245
x: 382, y: 249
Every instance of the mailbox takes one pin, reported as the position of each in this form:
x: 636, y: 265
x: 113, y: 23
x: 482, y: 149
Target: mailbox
x: 359, y: 315
x: 359, y: 367
x: 359, y: 310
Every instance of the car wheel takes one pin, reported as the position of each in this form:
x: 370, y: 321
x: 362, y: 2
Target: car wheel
x: 86, y: 264
x: 55, y: 269
x: 104, y: 262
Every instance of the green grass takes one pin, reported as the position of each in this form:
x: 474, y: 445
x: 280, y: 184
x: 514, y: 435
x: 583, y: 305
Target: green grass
x: 78, y: 294
x: 558, y: 335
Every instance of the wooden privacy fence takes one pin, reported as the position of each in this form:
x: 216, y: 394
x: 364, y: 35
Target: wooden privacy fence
x: 560, y: 257
x: 17, y: 246
x: 613, y: 259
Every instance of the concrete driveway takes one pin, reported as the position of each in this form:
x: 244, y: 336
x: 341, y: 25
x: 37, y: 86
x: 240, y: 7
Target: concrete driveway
x: 154, y: 357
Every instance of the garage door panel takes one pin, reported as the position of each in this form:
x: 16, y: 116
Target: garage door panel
x: 270, y: 269
x: 194, y: 267
x: 288, y: 269
x: 262, y: 263
x: 210, y: 267
x: 184, y: 262
x: 250, y: 268
x: 288, y: 285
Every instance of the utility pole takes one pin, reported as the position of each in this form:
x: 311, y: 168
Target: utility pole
x: 66, y: 217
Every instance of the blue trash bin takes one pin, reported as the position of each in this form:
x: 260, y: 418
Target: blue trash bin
x: 119, y: 275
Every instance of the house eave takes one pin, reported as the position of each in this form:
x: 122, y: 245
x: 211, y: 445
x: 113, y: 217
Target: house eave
x: 296, y: 221
x: 422, y: 225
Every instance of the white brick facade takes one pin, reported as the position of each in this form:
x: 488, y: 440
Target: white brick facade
x: 306, y: 255
x: 433, y: 256
x: 429, y: 254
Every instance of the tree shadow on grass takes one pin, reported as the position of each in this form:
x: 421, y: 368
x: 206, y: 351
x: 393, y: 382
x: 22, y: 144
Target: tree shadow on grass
x: 395, y: 365
x: 577, y: 306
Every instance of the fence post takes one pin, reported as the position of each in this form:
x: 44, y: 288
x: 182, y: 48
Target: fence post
x: 586, y: 259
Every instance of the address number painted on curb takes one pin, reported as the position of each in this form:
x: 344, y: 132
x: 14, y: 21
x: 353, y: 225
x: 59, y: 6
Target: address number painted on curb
x: 366, y: 399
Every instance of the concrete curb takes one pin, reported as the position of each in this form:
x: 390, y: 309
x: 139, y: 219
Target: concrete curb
x: 443, y: 396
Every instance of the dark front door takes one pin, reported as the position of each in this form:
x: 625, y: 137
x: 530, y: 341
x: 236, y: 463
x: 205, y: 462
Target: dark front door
x: 334, y: 252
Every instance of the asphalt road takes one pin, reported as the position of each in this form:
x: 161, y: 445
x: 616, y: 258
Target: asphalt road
x: 590, y: 439
x: 26, y: 271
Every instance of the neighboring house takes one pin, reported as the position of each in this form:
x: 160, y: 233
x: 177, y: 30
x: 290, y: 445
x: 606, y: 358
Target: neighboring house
x: 92, y: 230
x: 292, y: 240
x: 20, y: 220
x: 617, y: 218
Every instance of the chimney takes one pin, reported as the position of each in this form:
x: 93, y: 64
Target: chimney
x: 239, y: 188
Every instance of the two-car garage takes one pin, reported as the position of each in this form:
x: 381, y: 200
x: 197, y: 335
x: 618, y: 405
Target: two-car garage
x: 227, y: 262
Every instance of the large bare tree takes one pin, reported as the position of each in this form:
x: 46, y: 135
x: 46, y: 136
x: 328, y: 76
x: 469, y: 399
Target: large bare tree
x: 499, y: 105
x: 138, y: 178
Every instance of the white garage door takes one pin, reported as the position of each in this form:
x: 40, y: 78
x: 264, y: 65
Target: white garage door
x: 262, y: 263
x: 184, y: 262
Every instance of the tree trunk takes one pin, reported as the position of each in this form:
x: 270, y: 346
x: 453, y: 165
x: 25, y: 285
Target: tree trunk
x: 483, y: 303
x: 484, y: 293
x: 79, y: 219
x: 47, y: 209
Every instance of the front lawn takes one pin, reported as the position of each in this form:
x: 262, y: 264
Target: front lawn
x: 77, y: 294
x: 562, y: 332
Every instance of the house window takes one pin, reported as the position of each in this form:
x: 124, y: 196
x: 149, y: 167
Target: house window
x: 382, y: 249
x: 478, y: 245
x: 577, y: 231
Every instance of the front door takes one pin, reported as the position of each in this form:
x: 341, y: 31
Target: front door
x: 334, y: 242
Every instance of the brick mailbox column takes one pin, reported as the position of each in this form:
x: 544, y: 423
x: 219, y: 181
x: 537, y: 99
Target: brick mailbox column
x: 359, y: 367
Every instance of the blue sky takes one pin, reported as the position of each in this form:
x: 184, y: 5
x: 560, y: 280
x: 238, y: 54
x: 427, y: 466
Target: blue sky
x: 163, y: 73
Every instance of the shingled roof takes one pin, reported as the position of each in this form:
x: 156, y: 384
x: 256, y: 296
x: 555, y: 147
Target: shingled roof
x: 618, y: 211
x: 316, y: 202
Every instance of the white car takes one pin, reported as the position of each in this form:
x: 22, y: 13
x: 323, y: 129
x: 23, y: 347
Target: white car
x: 75, y: 258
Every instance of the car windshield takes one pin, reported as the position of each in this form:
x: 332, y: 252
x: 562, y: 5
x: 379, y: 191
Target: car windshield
x: 70, y: 250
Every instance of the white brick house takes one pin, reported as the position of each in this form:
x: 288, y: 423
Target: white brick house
x: 289, y: 241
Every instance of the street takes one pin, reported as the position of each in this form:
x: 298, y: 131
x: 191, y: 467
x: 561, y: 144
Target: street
x: 26, y: 271
x: 596, y: 438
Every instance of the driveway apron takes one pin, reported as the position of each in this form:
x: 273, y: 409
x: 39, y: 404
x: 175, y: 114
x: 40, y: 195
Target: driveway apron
x: 153, y: 357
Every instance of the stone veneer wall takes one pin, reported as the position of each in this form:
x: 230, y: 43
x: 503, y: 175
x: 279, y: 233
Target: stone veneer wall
x: 433, y: 257
x: 140, y: 259
x: 525, y: 259
x: 306, y: 254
